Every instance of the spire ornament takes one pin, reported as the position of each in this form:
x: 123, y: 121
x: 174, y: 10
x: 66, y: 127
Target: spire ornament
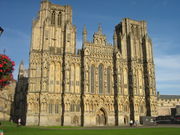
x: 99, y: 29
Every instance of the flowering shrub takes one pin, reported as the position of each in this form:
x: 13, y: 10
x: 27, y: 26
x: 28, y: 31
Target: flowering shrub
x: 6, y: 69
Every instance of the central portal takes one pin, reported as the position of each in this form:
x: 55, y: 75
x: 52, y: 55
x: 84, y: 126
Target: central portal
x: 101, y: 118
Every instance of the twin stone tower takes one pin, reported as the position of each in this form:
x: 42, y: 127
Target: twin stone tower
x: 102, y: 84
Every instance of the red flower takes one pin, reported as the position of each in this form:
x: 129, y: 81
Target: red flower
x: 6, y: 69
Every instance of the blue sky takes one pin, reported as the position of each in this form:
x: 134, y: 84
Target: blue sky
x: 162, y: 17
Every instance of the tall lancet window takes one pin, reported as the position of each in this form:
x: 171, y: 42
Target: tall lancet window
x: 140, y: 82
x: 51, y: 77
x: 59, y: 18
x: 92, y: 78
x: 53, y: 17
x: 108, y: 80
x: 72, y: 84
x: 100, y: 78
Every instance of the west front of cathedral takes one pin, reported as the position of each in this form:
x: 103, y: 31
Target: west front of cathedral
x: 101, y: 84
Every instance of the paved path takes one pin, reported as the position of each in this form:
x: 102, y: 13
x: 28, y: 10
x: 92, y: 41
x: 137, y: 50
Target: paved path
x: 128, y: 127
x: 117, y: 127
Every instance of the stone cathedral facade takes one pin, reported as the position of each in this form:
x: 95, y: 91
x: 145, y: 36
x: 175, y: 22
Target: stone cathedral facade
x: 101, y: 84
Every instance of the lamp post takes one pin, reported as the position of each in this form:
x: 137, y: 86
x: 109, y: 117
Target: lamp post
x: 1, y: 31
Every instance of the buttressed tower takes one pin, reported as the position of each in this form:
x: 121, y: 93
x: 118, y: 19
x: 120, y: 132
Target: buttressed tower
x: 136, y: 48
x: 103, y: 84
x: 53, y: 37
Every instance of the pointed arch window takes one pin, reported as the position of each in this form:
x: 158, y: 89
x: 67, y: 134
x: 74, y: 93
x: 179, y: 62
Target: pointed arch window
x: 89, y: 79
x: 57, y: 75
x: 59, y: 18
x: 92, y: 78
x: 141, y: 109
x: 56, y: 108
x: 125, y: 108
x: 72, y: 107
x: 108, y: 80
x: 50, y: 108
x: 72, y: 78
x: 140, y: 81
x: 100, y: 70
x: 77, y: 78
x: 125, y: 77
x: 53, y: 17
x: 51, y: 77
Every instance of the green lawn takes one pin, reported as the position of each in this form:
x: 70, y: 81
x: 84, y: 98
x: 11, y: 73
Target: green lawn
x: 11, y: 129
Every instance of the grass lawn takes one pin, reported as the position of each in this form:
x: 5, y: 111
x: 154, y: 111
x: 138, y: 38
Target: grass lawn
x: 11, y: 129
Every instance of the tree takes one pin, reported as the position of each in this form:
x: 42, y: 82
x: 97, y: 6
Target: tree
x: 6, y: 69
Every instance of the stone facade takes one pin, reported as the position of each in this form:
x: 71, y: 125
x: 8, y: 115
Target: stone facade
x: 102, y: 84
x: 166, y: 104
x: 7, y: 101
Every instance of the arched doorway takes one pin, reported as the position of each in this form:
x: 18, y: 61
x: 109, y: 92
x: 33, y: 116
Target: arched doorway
x: 126, y: 120
x: 75, y: 121
x: 101, y: 119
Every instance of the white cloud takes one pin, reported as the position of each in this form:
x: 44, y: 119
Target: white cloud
x: 168, y: 73
x: 168, y: 68
x: 167, y: 65
x: 169, y: 86
x: 168, y: 61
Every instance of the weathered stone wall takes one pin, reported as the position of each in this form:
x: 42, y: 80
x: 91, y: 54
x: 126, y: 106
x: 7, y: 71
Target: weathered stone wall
x: 7, y: 101
x: 166, y: 103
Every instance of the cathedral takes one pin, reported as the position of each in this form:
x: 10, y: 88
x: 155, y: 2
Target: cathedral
x: 101, y: 84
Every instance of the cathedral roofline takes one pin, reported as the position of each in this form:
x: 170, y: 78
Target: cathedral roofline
x: 169, y: 97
